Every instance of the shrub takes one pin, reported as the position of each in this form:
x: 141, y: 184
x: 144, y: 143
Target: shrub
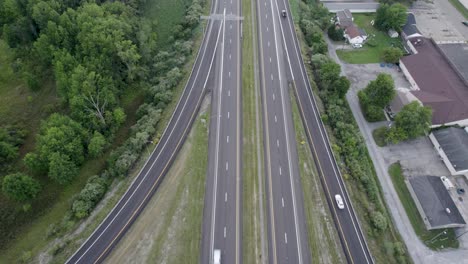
x: 335, y: 33
x: 89, y: 196
x: 379, y: 221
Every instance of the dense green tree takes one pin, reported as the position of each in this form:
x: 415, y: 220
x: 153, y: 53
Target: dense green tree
x: 381, y: 91
x: 414, y: 120
x: 20, y: 187
x: 61, y: 168
x: 59, y: 146
x: 391, y: 17
x: 335, y: 33
x: 328, y: 73
x: 97, y: 144
x: 392, y: 54
x: 341, y: 86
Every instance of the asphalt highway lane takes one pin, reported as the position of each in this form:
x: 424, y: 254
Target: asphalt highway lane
x: 222, y: 211
x: 107, y: 235
x: 352, y: 238
x: 287, y: 230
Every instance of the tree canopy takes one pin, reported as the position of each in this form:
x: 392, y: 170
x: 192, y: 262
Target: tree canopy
x: 381, y: 91
x: 20, y: 187
x: 392, y: 54
x: 391, y: 17
x: 414, y: 120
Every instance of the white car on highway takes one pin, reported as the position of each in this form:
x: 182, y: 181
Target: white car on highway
x: 339, y: 201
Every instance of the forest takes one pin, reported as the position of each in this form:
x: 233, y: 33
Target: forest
x: 94, y: 53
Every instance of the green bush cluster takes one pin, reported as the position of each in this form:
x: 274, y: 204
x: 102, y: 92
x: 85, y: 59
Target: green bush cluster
x: 378, y: 94
x: 89, y: 196
x: 11, y: 138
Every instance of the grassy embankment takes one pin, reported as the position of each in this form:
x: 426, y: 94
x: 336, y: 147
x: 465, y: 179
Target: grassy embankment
x: 460, y: 7
x: 54, y: 202
x: 372, y: 50
x: 169, y: 229
x: 441, y: 241
x: 252, y: 147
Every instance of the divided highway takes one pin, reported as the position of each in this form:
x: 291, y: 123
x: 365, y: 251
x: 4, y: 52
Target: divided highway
x: 222, y: 213
x: 287, y: 230
x: 349, y: 230
x: 107, y: 235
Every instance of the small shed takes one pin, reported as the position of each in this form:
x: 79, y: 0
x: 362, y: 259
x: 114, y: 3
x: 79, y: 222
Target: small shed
x: 392, y: 33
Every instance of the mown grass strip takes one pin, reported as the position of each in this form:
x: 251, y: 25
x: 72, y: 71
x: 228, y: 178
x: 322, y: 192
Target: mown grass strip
x: 460, y: 7
x: 251, y: 233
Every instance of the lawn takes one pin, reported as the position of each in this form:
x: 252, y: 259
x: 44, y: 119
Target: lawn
x: 252, y: 147
x: 372, y: 50
x: 427, y: 237
x: 167, y: 14
x: 379, y: 136
x: 460, y: 7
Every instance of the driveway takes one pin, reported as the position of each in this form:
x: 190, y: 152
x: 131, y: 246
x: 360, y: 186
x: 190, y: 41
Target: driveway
x: 418, y: 251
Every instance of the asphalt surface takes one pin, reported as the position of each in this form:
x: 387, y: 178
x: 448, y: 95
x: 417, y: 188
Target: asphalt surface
x: 222, y: 216
x: 107, y: 235
x: 349, y: 230
x: 287, y: 230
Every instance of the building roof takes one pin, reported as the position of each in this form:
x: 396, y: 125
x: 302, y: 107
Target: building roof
x: 441, y: 87
x: 454, y: 143
x: 458, y: 56
x: 434, y: 199
x: 344, y: 18
x: 410, y: 27
x: 352, y: 31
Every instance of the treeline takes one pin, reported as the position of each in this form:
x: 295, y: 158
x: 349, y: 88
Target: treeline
x: 349, y: 145
x: 95, y: 51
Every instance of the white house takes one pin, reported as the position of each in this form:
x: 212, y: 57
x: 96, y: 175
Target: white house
x: 355, y: 35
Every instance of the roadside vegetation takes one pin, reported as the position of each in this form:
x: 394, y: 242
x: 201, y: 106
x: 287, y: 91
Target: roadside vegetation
x: 349, y: 148
x: 413, y: 120
x: 252, y: 145
x: 108, y: 84
x: 373, y: 50
x: 434, y: 239
x: 460, y: 7
x: 323, y: 238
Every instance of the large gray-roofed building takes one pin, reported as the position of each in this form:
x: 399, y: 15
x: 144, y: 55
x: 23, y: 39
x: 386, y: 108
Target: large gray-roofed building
x: 452, y: 145
x: 458, y: 56
x: 435, y: 203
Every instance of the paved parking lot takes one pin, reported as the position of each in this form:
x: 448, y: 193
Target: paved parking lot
x: 439, y: 20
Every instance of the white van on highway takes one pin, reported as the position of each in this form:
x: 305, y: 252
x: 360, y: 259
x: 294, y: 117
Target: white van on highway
x: 217, y: 256
x: 339, y: 201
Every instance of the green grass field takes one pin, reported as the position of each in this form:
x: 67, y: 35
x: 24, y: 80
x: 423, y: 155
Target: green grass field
x: 368, y: 54
x: 252, y: 251
x: 379, y: 136
x: 427, y: 237
x: 167, y: 14
x: 460, y: 7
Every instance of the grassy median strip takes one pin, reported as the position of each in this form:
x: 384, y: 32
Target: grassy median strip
x: 434, y: 239
x: 323, y: 238
x: 251, y: 233
x: 460, y: 7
